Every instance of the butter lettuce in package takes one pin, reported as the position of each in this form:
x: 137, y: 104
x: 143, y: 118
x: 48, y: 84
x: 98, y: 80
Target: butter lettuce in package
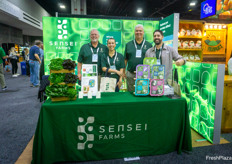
x: 142, y: 87
x: 142, y: 71
x: 157, y: 87
x: 158, y: 72
x: 150, y: 61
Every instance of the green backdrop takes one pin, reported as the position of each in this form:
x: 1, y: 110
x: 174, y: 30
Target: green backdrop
x: 198, y: 83
x: 63, y: 37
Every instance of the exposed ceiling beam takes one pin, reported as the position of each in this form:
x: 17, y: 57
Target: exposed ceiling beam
x: 163, y: 8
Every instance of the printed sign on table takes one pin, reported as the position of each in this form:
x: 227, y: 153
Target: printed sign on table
x: 89, y: 79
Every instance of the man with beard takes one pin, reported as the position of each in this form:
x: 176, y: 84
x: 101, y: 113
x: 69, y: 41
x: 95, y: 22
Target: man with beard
x: 134, y: 55
x: 91, y: 53
x: 164, y: 54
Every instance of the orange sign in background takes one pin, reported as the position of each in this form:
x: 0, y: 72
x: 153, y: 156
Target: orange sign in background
x: 214, y: 42
x: 229, y: 43
x: 224, y: 9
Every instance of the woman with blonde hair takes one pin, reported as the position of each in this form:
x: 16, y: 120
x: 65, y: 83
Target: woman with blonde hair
x: 14, y: 61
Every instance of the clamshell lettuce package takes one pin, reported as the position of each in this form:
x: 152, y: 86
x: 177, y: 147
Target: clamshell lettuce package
x: 150, y: 61
x: 142, y: 71
x: 157, y: 87
x: 142, y: 87
x: 158, y: 72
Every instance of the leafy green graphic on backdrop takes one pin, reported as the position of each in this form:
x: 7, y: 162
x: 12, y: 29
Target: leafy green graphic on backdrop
x: 63, y: 37
x: 198, y: 83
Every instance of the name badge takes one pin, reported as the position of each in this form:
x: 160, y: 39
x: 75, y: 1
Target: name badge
x: 94, y: 58
x: 113, y: 67
x: 138, y: 53
x: 158, y: 62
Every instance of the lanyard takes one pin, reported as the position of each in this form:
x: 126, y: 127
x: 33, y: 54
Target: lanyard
x: 160, y: 50
x: 92, y: 50
x: 142, y: 44
x: 115, y: 57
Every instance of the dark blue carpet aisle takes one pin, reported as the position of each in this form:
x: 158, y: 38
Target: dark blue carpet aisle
x: 19, y: 111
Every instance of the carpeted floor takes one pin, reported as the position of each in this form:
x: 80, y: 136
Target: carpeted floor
x: 19, y: 111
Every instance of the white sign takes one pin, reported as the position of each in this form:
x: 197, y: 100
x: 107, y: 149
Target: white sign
x: 89, y: 79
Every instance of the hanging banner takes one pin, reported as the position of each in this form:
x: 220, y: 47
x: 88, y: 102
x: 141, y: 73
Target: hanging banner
x: 224, y: 9
x: 208, y: 8
x: 170, y: 27
x: 214, y: 42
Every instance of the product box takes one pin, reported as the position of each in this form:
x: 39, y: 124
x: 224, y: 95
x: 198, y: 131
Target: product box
x: 157, y: 87
x: 142, y: 87
x: 142, y: 71
x: 150, y: 61
x: 158, y: 72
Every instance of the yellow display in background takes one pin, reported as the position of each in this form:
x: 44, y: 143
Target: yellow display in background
x: 229, y: 43
x: 214, y: 42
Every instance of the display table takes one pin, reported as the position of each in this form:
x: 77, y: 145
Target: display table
x: 117, y: 125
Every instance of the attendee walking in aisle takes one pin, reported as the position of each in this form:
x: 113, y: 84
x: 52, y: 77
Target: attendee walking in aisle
x: 2, y: 78
x: 134, y: 55
x: 113, y: 63
x: 91, y: 53
x: 164, y: 54
x: 26, y: 52
x: 34, y: 62
x: 14, y: 61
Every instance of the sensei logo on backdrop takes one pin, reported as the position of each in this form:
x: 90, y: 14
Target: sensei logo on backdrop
x: 84, y: 131
x: 63, y: 42
x: 105, y: 132
x: 62, y: 29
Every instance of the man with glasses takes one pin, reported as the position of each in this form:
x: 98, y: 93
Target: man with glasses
x: 91, y: 53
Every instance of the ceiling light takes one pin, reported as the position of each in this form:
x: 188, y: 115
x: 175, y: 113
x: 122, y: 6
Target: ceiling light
x: 192, y: 4
x: 62, y: 6
x: 139, y: 10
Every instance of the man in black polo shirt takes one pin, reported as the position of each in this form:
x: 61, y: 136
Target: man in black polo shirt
x: 91, y: 53
x: 134, y: 55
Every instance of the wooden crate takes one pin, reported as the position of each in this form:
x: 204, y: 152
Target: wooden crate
x: 55, y: 99
x: 62, y: 71
x: 226, y: 124
x: 69, y: 84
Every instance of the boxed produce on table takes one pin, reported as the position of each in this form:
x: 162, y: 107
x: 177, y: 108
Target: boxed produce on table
x: 158, y: 72
x: 62, y: 80
x: 157, y: 87
x: 142, y: 87
x: 142, y: 71
x: 150, y: 61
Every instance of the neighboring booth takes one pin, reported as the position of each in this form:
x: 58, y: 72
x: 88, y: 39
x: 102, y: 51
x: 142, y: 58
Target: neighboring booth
x: 190, y: 40
x: 227, y: 105
x: 217, y: 43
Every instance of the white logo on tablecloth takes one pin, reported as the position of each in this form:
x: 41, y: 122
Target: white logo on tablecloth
x: 83, y: 133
